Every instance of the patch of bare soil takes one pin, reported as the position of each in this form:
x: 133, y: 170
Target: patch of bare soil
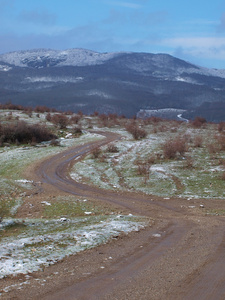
x: 180, y: 255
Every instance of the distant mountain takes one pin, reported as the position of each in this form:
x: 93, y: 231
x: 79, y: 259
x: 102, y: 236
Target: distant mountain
x: 124, y: 82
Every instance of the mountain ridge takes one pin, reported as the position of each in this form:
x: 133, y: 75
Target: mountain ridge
x: 114, y: 82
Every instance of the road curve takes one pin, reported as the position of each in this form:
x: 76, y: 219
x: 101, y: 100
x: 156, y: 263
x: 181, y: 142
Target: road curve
x: 185, y: 262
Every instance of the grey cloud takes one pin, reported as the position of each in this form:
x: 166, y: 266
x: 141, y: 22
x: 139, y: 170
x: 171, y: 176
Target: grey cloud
x: 38, y: 17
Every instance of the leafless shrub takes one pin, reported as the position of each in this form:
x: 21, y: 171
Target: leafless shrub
x: 221, y: 141
x: 60, y: 120
x: 153, y: 120
x: 221, y: 162
x: 162, y: 128
x: 198, y: 122
x: 21, y: 132
x: 223, y: 176
x: 42, y: 109
x: 173, y: 147
x: 96, y: 152
x: 221, y: 126
x: 102, y: 158
x: 55, y: 142
x: 188, y: 163
x: 137, y: 132
x: 198, y: 141
x: 77, y: 131
x: 143, y: 169
x: 151, y: 160
x: 173, y: 129
x: 9, y: 116
x: 212, y: 148
x: 48, y: 117
x: 75, y: 119
x: 112, y: 148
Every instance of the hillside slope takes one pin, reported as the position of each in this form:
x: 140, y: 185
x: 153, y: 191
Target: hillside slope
x: 123, y: 82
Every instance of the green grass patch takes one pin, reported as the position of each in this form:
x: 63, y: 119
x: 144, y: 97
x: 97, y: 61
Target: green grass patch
x: 71, y: 207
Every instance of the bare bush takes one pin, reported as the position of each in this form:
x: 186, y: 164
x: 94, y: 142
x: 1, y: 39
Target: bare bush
x: 221, y: 162
x: 55, y: 142
x: 75, y: 119
x: 173, y: 147
x: 23, y: 133
x: 223, y: 176
x: 42, y: 109
x: 137, y: 132
x: 151, y: 160
x: 96, y: 152
x: 198, y: 122
x: 60, y: 120
x: 189, y: 163
x: 143, y: 169
x: 212, y: 148
x: 77, y: 131
x: 221, y: 126
x: 112, y: 148
x: 48, y: 117
x: 221, y: 141
x: 198, y: 141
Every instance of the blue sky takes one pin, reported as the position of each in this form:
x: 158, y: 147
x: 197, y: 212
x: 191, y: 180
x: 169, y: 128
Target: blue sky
x: 193, y: 30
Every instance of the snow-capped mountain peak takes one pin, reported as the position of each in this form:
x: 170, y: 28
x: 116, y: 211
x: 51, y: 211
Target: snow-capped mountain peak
x: 39, y: 58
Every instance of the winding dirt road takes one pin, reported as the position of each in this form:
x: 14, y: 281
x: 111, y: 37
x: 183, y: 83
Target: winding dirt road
x: 180, y: 255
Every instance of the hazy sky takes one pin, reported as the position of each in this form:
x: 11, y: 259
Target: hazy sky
x: 193, y: 30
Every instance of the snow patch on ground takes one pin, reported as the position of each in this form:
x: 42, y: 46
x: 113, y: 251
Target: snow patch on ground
x: 45, y: 242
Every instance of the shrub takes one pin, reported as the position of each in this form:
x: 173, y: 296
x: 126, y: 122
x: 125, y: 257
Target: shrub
x: 198, y: 141
x: 143, y: 169
x: 77, y: 131
x: 55, y: 142
x: 189, y: 163
x: 60, y: 120
x: 137, y: 132
x: 96, y: 152
x: 198, y: 122
x: 48, y: 117
x: 172, y: 147
x: 221, y: 126
x: 221, y: 141
x: 75, y: 119
x: 212, y: 148
x: 112, y: 148
x: 41, y: 109
x: 223, y: 176
x: 21, y: 132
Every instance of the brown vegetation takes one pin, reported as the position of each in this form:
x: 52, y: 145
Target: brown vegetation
x: 60, y: 120
x: 198, y: 122
x: 137, y: 132
x: 173, y: 147
x: 21, y: 132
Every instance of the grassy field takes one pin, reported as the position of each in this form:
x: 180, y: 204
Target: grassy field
x: 141, y: 165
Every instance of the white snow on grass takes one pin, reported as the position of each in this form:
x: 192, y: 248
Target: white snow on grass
x: 43, y: 243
